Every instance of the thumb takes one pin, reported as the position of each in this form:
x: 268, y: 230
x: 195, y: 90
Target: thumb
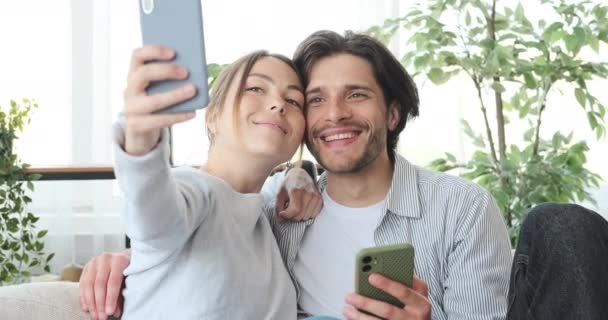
x: 282, y: 200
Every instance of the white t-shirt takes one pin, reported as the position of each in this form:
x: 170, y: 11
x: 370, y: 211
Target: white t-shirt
x: 325, y: 264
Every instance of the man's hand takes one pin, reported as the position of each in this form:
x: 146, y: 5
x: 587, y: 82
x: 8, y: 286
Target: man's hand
x: 101, y: 283
x: 417, y: 305
x: 298, y: 199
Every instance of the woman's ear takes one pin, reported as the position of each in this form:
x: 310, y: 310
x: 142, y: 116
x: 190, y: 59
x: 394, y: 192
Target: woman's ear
x: 211, y: 123
x: 393, y: 116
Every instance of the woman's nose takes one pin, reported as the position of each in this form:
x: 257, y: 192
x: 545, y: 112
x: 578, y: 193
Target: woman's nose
x: 278, y: 108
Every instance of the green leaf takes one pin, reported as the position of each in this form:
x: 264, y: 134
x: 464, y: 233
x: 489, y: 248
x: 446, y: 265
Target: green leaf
x: 580, y: 96
x: 571, y: 42
x: 498, y: 87
x: 11, y: 268
x: 450, y: 157
x: 580, y: 35
x: 422, y: 61
x: 556, y: 141
x: 551, y: 29
x: 501, y: 198
x: 437, y: 76
x: 529, y: 134
x: 519, y: 12
x: 50, y: 257
x: 529, y: 80
x: 13, y: 225
x: 515, y: 154
x: 42, y: 233
x: 594, y: 43
x: 592, y: 120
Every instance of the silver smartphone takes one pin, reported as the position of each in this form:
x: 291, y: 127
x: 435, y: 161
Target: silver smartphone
x: 178, y: 25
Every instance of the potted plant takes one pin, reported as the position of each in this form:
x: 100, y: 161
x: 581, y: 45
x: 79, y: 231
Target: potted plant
x: 21, y: 244
x: 513, y: 65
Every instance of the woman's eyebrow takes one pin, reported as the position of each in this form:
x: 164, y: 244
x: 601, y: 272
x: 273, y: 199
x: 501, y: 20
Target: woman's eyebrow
x: 269, y: 79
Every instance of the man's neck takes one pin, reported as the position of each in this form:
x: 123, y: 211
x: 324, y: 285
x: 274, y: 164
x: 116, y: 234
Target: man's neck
x: 363, y: 188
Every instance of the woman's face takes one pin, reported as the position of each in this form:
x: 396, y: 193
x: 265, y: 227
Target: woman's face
x: 270, y: 117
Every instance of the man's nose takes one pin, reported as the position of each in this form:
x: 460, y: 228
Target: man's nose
x: 338, y: 110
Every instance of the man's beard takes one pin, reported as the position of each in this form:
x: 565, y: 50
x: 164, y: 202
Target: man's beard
x: 372, y: 150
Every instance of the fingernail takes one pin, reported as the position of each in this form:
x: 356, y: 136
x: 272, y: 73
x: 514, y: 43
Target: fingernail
x: 109, y: 310
x: 168, y: 52
x: 182, y: 72
x: 349, y: 312
x: 189, y: 89
x: 350, y: 298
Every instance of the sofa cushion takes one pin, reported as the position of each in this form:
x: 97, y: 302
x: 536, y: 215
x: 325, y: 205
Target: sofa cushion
x: 42, y: 300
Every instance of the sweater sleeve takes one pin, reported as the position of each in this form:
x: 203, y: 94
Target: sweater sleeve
x: 164, y: 205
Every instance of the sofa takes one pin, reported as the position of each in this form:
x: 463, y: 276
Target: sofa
x: 41, y: 300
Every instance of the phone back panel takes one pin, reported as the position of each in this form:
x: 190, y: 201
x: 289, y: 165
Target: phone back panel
x: 179, y: 26
x: 395, y: 262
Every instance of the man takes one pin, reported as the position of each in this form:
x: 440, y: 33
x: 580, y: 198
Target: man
x: 359, y: 99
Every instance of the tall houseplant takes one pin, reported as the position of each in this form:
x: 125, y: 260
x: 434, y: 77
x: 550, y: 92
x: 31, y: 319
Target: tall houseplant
x: 21, y: 244
x: 513, y: 66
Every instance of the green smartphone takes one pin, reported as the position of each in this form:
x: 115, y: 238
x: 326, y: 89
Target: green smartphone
x: 395, y: 262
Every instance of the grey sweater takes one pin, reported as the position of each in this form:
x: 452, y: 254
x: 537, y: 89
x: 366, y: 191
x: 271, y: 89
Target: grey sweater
x: 200, y: 250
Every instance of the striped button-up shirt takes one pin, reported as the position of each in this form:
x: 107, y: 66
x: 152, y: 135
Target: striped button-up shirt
x: 462, y: 247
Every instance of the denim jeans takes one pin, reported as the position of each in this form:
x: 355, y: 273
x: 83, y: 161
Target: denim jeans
x: 560, y: 267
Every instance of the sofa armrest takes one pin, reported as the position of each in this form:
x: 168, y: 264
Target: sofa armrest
x: 42, y: 300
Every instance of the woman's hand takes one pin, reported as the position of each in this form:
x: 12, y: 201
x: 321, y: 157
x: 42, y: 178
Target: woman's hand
x: 298, y: 198
x: 143, y: 126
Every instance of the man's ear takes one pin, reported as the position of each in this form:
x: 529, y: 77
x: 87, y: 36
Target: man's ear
x: 393, y: 116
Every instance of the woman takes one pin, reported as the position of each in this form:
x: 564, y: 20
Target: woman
x: 201, y: 244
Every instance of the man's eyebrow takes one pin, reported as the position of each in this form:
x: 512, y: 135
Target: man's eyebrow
x: 358, y: 87
x: 313, y: 90
x: 269, y: 79
x: 348, y: 87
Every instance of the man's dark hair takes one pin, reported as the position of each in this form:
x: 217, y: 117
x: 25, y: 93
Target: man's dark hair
x: 397, y: 85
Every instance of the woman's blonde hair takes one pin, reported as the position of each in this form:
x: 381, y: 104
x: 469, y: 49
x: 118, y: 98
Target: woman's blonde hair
x: 221, y: 87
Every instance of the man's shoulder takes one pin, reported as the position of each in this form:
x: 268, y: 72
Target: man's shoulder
x: 441, y: 182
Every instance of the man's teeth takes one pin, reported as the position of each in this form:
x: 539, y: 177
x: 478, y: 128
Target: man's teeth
x: 340, y: 136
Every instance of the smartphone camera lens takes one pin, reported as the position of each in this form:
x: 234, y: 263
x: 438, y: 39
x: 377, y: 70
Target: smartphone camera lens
x: 367, y: 259
x: 367, y: 268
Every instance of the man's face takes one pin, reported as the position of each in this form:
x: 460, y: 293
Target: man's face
x: 347, y: 118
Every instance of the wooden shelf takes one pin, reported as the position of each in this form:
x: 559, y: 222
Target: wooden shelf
x: 73, y: 173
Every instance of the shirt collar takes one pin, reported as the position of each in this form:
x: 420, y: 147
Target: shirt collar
x: 402, y: 196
